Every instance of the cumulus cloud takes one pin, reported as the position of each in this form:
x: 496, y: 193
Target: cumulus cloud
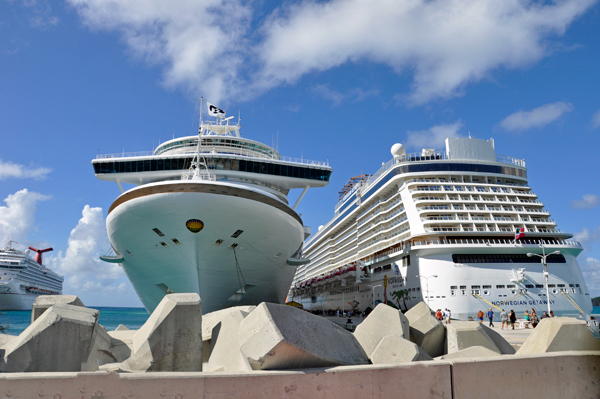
x: 590, y: 269
x: 215, y: 47
x: 434, y: 137
x: 589, y: 201
x: 13, y: 170
x: 538, y: 117
x: 17, y: 218
x: 596, y: 120
x: 86, y: 276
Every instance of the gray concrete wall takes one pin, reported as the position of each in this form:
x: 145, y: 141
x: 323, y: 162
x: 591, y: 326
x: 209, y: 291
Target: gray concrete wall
x: 560, y: 376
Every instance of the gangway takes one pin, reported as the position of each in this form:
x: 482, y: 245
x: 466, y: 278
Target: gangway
x: 592, y: 321
x: 486, y: 301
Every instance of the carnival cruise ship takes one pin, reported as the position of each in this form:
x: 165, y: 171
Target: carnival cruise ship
x: 23, y: 279
x: 209, y: 214
x: 459, y: 229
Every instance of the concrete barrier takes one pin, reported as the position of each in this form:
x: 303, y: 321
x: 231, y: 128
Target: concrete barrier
x: 171, y: 339
x: 383, y: 321
x: 425, y: 330
x: 395, y: 349
x: 464, y: 334
x: 44, y: 302
x: 551, y: 376
x: 559, y: 334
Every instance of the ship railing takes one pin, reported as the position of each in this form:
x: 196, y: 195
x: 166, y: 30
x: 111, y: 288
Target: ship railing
x: 419, y: 157
x: 496, y: 241
x: 247, y: 153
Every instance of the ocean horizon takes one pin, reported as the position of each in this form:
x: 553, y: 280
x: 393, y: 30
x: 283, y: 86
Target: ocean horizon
x: 110, y: 317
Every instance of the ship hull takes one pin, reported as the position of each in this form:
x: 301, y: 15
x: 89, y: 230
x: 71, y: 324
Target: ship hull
x: 161, y: 255
x: 400, y: 287
x: 16, y: 301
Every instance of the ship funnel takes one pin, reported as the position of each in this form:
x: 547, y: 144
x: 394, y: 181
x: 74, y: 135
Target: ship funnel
x: 39, y: 252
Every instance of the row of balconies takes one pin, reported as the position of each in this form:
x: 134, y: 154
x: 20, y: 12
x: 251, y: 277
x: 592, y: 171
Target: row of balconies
x: 528, y: 229
x: 485, y: 218
x: 475, y: 198
x: 479, y: 189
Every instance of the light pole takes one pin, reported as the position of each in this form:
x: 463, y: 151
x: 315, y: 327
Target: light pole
x: 373, y: 292
x: 427, y: 285
x: 543, y: 260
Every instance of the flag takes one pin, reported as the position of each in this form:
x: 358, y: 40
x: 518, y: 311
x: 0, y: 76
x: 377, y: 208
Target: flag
x: 213, y: 110
x: 520, y: 233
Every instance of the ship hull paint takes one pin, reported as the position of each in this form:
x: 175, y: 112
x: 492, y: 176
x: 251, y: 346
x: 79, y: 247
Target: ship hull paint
x: 463, y: 305
x: 197, y: 264
x: 17, y: 301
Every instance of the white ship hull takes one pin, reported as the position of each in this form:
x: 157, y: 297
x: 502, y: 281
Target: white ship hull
x: 436, y: 260
x: 194, y: 262
x: 16, y: 301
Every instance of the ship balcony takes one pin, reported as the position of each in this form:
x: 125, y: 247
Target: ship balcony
x: 459, y: 229
x: 498, y: 242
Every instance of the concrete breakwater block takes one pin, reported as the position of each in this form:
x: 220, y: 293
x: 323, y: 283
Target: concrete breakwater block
x: 210, y: 320
x: 395, y: 349
x: 275, y: 337
x: 559, y: 334
x: 121, y: 344
x: 383, y: 321
x: 425, y: 330
x: 225, y: 353
x: 462, y: 335
x: 44, y: 302
x: 472, y: 352
x: 63, y: 338
x: 171, y: 339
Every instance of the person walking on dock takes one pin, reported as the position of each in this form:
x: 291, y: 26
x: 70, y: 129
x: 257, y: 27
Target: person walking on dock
x: 504, y: 319
x: 480, y: 316
x: 490, y: 315
x: 513, y: 318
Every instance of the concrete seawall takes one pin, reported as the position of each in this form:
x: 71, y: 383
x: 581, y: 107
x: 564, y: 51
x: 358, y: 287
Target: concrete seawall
x: 557, y: 375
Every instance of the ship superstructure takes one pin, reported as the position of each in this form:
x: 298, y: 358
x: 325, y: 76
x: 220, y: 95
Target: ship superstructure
x: 210, y: 215
x: 439, y: 226
x: 23, y: 279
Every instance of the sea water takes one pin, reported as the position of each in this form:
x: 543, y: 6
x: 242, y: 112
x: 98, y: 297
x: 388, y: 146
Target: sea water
x: 133, y: 318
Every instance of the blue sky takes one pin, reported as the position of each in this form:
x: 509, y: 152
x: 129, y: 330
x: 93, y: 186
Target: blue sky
x: 337, y: 80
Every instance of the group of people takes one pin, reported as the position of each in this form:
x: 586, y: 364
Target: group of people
x: 442, y: 315
x: 512, y: 317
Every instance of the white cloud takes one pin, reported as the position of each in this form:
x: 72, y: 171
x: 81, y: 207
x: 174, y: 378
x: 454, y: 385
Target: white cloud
x: 86, y: 276
x: 17, y: 218
x: 212, y: 47
x: 538, y: 117
x: 433, y: 137
x: 589, y: 201
x: 591, y: 274
x: 596, y: 120
x: 354, y: 95
x: 587, y: 237
x: 9, y: 169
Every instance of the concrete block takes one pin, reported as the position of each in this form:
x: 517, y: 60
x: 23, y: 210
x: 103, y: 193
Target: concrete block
x: 383, y: 321
x: 171, y: 339
x: 472, y: 352
x: 225, y: 353
x: 121, y: 344
x: 63, y: 338
x: 425, y: 330
x: 461, y: 335
x: 210, y: 320
x: 44, y: 302
x: 559, y: 334
x: 121, y: 327
x: 5, y: 339
x: 395, y: 349
x: 275, y: 337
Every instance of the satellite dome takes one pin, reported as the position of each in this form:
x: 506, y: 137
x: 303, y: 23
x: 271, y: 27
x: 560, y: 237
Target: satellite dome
x: 320, y: 227
x: 27, y: 252
x: 397, y: 150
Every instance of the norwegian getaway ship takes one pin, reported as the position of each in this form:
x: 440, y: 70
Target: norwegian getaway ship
x: 209, y: 215
x: 440, y: 227
x: 23, y: 279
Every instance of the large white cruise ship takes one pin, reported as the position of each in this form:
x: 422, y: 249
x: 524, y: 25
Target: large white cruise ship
x: 210, y: 215
x: 439, y: 227
x: 23, y: 279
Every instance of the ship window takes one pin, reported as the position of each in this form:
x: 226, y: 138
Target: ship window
x: 539, y: 286
x: 487, y: 287
x: 164, y: 244
x: 452, y: 293
x: 560, y: 285
x: 157, y: 231
x: 128, y: 251
x: 237, y: 233
x: 463, y: 287
x: 463, y: 292
x: 576, y: 285
x: 510, y: 286
x: 453, y: 287
x: 176, y: 241
x: 551, y: 285
x: 499, y: 286
x: 475, y: 287
x: 571, y: 285
x: 529, y: 286
x: 387, y: 267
